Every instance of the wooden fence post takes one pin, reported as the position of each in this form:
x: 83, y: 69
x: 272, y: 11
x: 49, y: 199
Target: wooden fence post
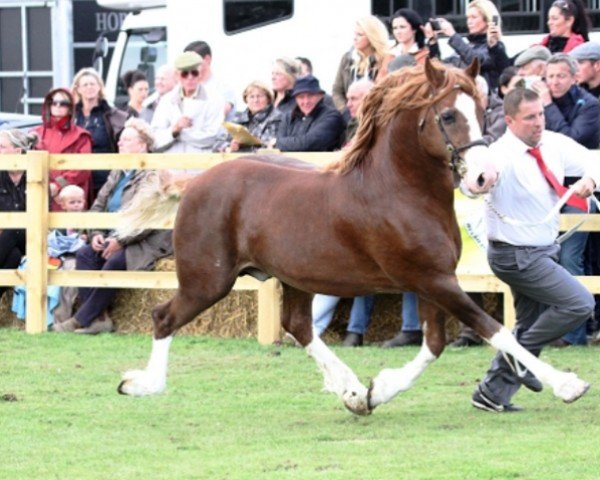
x: 510, y: 316
x: 269, y: 312
x: 37, y: 242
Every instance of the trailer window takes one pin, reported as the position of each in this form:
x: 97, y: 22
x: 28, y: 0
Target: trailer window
x: 145, y: 50
x: 241, y: 15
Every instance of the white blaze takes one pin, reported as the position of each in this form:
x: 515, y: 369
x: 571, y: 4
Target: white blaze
x: 475, y: 157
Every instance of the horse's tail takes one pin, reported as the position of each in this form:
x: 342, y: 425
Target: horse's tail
x: 156, y: 202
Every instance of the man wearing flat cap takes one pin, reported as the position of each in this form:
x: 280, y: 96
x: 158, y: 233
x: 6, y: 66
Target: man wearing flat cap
x: 186, y: 120
x: 312, y: 125
x: 532, y: 62
x: 588, y: 75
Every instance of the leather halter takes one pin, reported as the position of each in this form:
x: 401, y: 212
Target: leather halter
x: 457, y: 163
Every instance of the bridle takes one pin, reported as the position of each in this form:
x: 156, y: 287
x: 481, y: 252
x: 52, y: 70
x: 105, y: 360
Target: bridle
x: 457, y: 163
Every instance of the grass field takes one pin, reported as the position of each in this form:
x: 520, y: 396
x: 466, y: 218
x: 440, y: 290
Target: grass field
x: 236, y: 410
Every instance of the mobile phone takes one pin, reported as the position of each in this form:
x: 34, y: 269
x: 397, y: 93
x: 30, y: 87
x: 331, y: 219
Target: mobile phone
x: 495, y: 19
x: 435, y: 24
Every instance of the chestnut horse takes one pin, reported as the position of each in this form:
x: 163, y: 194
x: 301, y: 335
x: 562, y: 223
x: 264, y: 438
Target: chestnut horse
x: 381, y: 220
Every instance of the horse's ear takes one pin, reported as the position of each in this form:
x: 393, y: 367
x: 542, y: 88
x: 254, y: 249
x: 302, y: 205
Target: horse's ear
x: 435, y: 75
x: 473, y: 69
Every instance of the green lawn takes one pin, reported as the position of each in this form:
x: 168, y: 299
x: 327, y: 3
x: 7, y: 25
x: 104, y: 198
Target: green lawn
x: 236, y: 410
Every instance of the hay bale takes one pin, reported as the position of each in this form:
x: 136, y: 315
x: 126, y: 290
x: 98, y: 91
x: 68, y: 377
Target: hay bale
x: 7, y: 317
x: 234, y: 316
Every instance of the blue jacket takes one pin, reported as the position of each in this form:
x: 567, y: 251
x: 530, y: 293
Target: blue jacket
x: 577, y: 115
x: 319, y: 131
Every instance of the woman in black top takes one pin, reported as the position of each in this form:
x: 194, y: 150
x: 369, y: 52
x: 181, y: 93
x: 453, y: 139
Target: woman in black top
x: 93, y: 113
x: 12, y: 198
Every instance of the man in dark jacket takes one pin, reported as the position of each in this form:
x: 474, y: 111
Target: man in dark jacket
x: 312, y: 126
x: 568, y: 108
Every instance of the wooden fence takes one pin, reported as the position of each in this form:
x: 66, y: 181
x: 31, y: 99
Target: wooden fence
x: 38, y: 221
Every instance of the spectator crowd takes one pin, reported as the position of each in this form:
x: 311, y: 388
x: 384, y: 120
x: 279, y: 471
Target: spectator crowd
x: 192, y: 109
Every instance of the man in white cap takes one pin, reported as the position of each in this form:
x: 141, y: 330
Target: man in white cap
x: 532, y: 62
x: 186, y: 120
x: 588, y: 75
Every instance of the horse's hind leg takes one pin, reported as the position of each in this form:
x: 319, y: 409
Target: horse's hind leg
x: 168, y: 318
x: 339, y: 378
x: 390, y: 382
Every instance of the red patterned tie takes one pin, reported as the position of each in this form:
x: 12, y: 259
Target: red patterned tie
x: 574, y: 200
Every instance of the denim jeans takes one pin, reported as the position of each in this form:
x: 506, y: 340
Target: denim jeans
x: 323, y: 307
x: 410, y: 312
x: 93, y: 301
x: 572, y: 253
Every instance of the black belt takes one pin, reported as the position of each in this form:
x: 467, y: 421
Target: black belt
x: 498, y: 243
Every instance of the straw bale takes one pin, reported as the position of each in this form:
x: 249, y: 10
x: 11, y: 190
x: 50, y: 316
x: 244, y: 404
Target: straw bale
x: 234, y: 316
x: 7, y: 317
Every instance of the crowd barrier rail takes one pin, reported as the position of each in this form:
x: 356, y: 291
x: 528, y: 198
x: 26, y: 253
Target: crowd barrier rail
x: 37, y: 221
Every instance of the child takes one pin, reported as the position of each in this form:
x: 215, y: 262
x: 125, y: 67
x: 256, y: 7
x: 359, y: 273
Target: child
x: 71, y: 199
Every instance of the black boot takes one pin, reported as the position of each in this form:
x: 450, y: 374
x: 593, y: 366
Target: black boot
x: 465, y: 342
x: 404, y: 339
x: 353, y: 340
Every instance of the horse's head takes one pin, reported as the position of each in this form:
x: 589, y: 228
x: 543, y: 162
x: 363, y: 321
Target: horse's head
x: 451, y: 126
x: 432, y: 109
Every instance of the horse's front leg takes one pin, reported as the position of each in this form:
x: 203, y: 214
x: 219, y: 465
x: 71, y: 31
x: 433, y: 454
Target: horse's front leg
x: 565, y: 385
x: 392, y: 381
x: 339, y: 378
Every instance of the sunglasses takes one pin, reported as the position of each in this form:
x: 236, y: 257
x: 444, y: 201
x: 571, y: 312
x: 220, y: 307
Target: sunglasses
x: 562, y: 4
x: 186, y: 73
x: 61, y: 103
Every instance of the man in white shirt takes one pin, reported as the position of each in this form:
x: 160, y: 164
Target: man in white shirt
x: 186, y: 120
x: 548, y: 300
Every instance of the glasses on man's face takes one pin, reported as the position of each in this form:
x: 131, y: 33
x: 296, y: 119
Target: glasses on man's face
x: 61, y: 103
x: 187, y: 73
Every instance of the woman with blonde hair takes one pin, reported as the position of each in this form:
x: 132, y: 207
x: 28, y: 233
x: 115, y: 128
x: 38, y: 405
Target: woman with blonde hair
x: 368, y: 58
x: 93, y: 113
x: 283, y: 78
x: 483, y: 41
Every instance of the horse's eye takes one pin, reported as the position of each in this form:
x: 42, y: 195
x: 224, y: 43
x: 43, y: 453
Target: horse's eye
x: 448, y: 117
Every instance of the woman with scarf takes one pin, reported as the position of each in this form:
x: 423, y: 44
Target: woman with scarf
x: 59, y: 134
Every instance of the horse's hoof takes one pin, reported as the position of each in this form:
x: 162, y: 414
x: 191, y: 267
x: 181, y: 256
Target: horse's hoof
x: 357, y: 403
x: 138, y: 383
x: 572, y: 389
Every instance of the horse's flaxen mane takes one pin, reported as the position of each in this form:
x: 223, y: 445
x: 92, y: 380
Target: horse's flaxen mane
x: 407, y: 89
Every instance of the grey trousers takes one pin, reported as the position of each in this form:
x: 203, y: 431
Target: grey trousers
x: 549, y: 302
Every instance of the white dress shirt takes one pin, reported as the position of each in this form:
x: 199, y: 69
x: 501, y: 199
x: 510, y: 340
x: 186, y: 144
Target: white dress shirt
x: 523, y: 193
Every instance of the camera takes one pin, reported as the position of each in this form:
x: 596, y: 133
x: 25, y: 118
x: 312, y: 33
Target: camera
x: 529, y: 80
x: 495, y: 19
x: 435, y: 24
